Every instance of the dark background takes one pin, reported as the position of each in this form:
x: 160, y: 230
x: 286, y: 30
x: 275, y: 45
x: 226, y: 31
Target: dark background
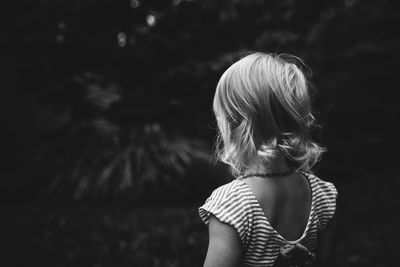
x: 107, y: 128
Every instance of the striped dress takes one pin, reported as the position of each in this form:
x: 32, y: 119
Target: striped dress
x: 235, y: 204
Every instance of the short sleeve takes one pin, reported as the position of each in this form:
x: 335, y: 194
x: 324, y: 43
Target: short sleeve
x: 326, y: 203
x: 230, y: 206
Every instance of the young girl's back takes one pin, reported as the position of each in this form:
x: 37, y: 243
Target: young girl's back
x: 275, y: 213
x: 285, y: 201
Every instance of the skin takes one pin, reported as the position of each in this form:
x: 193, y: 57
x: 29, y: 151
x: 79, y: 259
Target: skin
x: 285, y: 201
x: 224, y: 247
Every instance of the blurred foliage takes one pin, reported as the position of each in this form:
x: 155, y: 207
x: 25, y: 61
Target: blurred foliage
x: 122, y: 235
x: 111, y: 69
x: 108, y: 236
x: 88, y: 163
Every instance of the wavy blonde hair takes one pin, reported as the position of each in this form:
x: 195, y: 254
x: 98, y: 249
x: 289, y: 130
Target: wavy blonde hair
x: 262, y: 108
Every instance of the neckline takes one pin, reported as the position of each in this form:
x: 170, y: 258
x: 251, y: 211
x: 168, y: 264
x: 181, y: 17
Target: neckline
x: 266, y: 218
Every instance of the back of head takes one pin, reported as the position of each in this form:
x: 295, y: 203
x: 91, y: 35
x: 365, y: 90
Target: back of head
x: 262, y: 107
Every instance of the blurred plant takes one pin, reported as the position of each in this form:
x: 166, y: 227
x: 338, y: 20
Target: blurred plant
x: 150, y: 160
x: 92, y: 76
x: 91, y: 154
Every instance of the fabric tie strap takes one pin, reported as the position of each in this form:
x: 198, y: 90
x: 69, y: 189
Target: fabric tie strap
x: 294, y: 255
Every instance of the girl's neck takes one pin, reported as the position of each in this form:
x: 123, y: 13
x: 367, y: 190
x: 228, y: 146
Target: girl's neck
x: 278, y: 165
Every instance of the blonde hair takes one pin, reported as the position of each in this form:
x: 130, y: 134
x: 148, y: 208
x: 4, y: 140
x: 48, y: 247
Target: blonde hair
x: 262, y: 108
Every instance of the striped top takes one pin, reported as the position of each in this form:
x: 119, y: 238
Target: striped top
x: 235, y: 204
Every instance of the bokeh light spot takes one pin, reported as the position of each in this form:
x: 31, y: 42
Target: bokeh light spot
x: 350, y: 3
x: 151, y: 20
x: 62, y: 25
x: 60, y: 38
x: 135, y: 3
x: 121, y: 39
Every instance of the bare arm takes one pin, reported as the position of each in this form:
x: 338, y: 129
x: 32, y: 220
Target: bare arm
x: 326, y: 248
x: 224, y: 248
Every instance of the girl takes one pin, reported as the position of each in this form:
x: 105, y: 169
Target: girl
x: 275, y: 213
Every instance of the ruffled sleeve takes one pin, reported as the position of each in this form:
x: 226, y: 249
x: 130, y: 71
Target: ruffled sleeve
x: 229, y: 204
x: 326, y: 203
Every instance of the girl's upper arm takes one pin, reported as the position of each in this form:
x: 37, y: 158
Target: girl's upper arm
x: 224, y: 248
